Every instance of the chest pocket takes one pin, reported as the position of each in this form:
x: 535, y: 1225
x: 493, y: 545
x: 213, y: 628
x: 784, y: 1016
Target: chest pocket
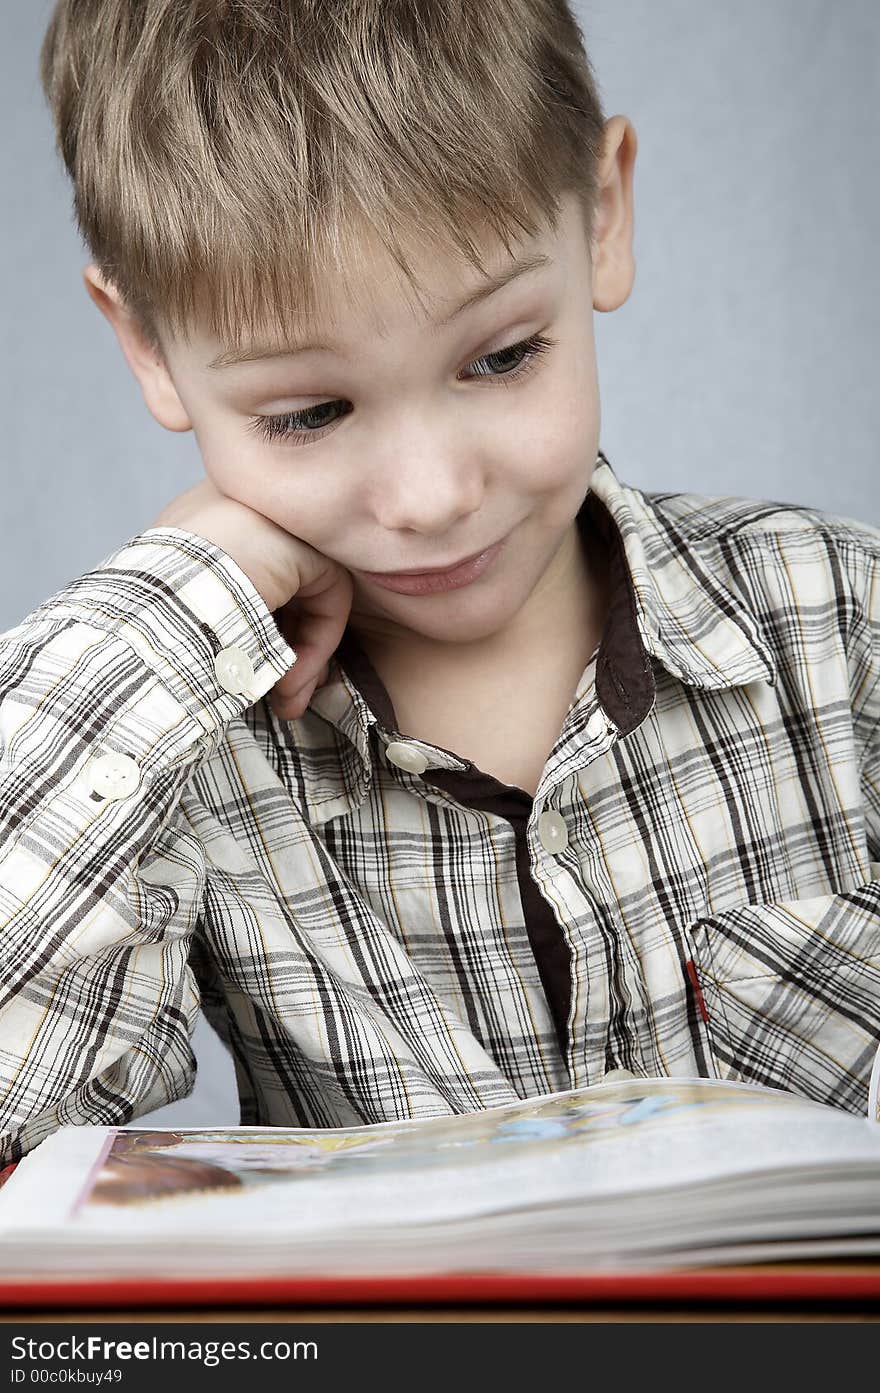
x: 788, y: 994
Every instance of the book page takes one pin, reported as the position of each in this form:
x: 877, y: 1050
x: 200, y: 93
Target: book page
x: 874, y: 1090
x: 615, y: 1140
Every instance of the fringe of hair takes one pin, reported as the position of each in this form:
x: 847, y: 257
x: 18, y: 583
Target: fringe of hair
x: 231, y: 158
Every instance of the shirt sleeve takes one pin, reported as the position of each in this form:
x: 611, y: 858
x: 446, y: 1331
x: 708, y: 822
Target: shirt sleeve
x: 865, y: 686
x: 112, y: 692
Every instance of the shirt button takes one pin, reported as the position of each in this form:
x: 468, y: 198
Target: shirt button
x: 552, y: 832
x: 406, y: 757
x: 113, y: 776
x: 234, y: 671
x: 615, y: 1075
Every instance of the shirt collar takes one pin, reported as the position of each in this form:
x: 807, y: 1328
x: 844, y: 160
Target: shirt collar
x: 664, y: 591
x: 664, y: 603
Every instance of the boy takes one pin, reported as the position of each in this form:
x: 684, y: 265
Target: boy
x: 606, y: 797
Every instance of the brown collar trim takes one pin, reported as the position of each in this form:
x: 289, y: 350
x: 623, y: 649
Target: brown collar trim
x: 360, y: 671
x: 624, y: 676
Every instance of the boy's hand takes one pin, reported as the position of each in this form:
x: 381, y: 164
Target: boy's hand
x: 309, y: 595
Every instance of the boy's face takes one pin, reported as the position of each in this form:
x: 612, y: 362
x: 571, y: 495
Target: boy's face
x: 414, y: 444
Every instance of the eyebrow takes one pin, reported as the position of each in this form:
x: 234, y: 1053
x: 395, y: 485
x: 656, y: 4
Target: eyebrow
x: 534, y: 261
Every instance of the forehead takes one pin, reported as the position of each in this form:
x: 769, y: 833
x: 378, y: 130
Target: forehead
x: 367, y: 287
x: 440, y: 274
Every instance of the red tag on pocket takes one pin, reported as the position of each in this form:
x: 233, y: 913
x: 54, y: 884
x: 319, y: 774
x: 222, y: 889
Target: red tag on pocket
x: 691, y: 969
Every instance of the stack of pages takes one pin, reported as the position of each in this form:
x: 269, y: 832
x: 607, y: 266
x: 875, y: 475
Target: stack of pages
x: 635, y: 1174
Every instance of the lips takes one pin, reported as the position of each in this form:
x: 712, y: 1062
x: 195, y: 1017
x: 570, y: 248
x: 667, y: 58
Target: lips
x: 432, y: 570
x: 432, y: 582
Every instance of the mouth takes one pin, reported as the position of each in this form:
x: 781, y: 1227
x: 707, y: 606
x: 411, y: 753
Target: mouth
x: 425, y: 582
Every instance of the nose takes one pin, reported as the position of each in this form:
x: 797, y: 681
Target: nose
x: 427, y: 485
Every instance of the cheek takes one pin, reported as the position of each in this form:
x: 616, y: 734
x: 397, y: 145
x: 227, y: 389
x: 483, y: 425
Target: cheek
x: 242, y: 483
x: 558, y: 461
x: 275, y: 487
x: 561, y: 426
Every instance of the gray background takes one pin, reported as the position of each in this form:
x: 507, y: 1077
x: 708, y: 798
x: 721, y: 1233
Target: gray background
x: 740, y: 365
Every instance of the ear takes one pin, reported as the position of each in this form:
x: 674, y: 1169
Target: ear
x: 612, y: 243
x: 159, y: 391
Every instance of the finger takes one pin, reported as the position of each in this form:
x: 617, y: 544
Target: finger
x: 292, y: 707
x: 313, y: 624
x: 292, y: 699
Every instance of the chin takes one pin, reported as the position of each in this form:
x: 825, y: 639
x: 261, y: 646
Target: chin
x: 450, y: 618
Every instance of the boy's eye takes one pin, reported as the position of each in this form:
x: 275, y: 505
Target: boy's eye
x: 301, y: 427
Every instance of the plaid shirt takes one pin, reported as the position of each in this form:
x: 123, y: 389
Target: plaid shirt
x: 379, y: 930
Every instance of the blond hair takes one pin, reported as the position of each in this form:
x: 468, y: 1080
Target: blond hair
x: 224, y: 154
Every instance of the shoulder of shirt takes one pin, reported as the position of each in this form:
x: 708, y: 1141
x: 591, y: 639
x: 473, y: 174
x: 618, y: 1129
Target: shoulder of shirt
x: 702, y: 518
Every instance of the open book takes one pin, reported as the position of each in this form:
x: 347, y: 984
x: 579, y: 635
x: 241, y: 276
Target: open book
x: 632, y: 1174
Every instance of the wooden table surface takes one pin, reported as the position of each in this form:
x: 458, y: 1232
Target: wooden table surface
x: 797, y: 1291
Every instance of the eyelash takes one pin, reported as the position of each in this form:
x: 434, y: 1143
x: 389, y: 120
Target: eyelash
x: 285, y: 428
